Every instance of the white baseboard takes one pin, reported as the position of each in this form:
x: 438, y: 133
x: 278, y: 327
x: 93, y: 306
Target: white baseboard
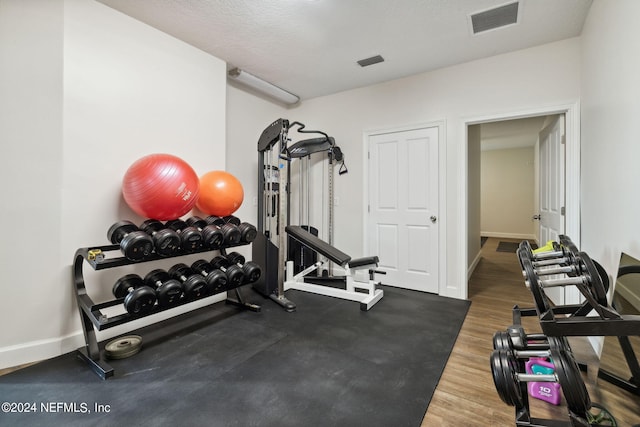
x: 35, y: 351
x: 508, y: 235
x: 473, y: 265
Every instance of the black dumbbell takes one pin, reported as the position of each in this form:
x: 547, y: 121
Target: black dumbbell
x: 515, y: 338
x: 251, y: 270
x: 139, y: 299
x: 231, y: 219
x: 229, y: 231
x: 194, y: 284
x: 235, y: 275
x: 248, y: 232
x: 134, y: 244
x: 165, y: 240
x: 564, y: 253
x: 507, y: 378
x: 190, y: 237
x: 167, y: 289
x: 211, y: 234
x: 216, y: 278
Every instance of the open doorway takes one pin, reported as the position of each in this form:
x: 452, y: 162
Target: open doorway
x: 511, y: 154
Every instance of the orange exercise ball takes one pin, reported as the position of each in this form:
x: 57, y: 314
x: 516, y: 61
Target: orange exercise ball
x: 221, y: 193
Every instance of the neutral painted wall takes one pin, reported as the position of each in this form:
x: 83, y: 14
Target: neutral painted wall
x: 610, y: 141
x: 507, y: 192
x: 474, y: 178
x: 85, y: 92
x: 499, y: 85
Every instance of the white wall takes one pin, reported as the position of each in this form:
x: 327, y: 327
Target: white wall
x: 503, y: 84
x: 507, y: 192
x: 109, y: 90
x: 610, y: 142
x: 474, y: 185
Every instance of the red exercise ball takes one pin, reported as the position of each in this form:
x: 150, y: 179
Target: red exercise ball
x: 160, y: 186
x: 221, y: 193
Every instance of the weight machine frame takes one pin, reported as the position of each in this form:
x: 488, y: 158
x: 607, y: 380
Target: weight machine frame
x: 274, y: 211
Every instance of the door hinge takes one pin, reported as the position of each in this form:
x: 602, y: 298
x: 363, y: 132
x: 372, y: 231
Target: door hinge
x: 563, y: 140
x: 369, y: 208
x: 562, y: 211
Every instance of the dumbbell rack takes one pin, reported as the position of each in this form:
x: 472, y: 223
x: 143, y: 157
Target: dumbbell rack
x: 91, y: 315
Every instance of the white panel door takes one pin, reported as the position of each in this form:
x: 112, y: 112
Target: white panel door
x: 402, y: 223
x: 552, y: 190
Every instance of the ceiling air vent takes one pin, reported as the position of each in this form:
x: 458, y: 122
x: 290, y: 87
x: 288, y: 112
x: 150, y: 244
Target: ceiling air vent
x: 495, y: 18
x: 370, y: 61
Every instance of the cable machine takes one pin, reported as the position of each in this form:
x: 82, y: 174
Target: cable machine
x: 282, y: 268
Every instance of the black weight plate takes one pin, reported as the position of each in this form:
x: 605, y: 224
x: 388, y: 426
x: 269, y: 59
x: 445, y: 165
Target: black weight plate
x: 197, y: 222
x: 213, y: 237
x: 192, y: 239
x: 176, y: 224
x: 504, y: 378
x: 169, y: 293
x: 248, y: 232
x: 540, y: 299
x: 151, y: 225
x: 595, y: 281
x: 573, y: 387
x: 201, y: 266
x: 217, y: 281
x: 140, y: 301
x: 251, y: 271
x: 195, y: 286
x: 219, y: 261
x: 568, y: 245
x: 230, y: 219
x: 167, y: 242
x: 123, y: 347
x: 603, y: 275
x: 122, y: 285
x: 522, y: 255
x: 231, y: 234
x: 118, y: 230
x: 156, y: 277
x: 180, y: 271
x: 136, y: 245
x: 215, y: 220
x: 236, y: 258
x: 501, y: 341
x: 235, y: 276
x: 525, y: 246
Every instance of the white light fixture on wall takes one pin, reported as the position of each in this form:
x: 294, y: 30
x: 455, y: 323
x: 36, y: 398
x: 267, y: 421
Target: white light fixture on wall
x: 263, y: 86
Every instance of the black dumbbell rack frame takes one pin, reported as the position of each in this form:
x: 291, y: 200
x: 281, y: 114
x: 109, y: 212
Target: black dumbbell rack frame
x: 91, y: 315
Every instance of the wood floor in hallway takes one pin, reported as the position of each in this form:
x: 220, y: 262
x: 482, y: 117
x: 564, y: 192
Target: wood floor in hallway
x: 466, y: 395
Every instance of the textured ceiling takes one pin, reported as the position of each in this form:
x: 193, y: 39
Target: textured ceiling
x: 310, y: 47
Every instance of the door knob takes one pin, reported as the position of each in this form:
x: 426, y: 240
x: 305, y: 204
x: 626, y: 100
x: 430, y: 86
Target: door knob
x: 536, y: 217
x: 434, y: 219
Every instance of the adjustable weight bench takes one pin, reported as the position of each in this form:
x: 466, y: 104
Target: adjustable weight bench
x: 355, y: 288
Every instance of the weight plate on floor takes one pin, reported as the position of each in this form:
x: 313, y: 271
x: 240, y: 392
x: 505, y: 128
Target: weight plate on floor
x: 123, y: 347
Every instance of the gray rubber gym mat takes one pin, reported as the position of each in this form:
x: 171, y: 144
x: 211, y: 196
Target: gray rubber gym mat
x: 327, y: 364
x: 511, y: 246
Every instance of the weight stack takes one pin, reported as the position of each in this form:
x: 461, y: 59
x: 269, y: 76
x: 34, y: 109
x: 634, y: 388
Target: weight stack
x: 301, y: 255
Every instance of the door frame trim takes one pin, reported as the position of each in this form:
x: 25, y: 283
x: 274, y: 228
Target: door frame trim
x: 572, y: 174
x: 442, y: 199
